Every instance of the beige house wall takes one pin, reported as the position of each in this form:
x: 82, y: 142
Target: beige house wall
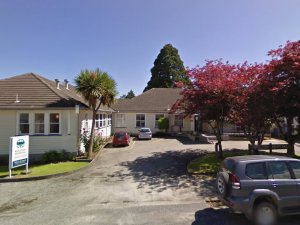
x: 39, y: 144
x: 130, y: 123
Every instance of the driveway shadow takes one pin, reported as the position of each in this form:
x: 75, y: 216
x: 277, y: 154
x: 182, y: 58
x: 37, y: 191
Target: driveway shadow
x: 163, y: 170
x: 224, y: 217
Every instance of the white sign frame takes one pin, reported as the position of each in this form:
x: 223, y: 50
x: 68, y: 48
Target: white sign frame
x: 18, y: 152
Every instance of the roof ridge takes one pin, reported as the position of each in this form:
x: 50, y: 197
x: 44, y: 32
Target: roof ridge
x: 40, y: 78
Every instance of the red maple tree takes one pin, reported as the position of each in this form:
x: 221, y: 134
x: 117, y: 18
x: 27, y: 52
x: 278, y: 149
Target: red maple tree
x: 249, y: 108
x: 284, y: 83
x: 209, y: 94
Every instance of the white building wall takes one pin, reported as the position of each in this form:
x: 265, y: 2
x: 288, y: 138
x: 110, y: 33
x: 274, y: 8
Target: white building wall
x: 130, y: 122
x: 86, y: 116
x: 39, y: 144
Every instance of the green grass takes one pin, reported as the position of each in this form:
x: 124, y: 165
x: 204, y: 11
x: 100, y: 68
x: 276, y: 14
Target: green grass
x: 42, y: 170
x: 210, y: 163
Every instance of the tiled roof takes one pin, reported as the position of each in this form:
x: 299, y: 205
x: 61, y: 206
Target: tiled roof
x: 153, y: 100
x: 34, y: 91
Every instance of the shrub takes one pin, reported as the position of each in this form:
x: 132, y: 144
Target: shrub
x: 98, y: 141
x: 54, y: 156
x: 163, y: 124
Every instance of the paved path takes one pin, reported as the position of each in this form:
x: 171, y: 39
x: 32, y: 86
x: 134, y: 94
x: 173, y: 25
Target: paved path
x: 145, y: 183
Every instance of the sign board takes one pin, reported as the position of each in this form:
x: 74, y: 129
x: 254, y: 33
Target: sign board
x: 19, y: 152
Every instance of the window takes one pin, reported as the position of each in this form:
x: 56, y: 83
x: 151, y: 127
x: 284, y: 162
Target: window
x: 24, y: 123
x: 54, y: 123
x: 157, y: 117
x: 256, y: 171
x: 178, y: 120
x: 100, y: 120
x: 140, y: 120
x: 109, y: 119
x: 296, y: 168
x: 39, y: 123
x: 279, y: 170
x: 120, y: 120
x: 103, y: 120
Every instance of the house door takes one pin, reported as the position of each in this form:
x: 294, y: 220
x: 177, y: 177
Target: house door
x: 197, y: 123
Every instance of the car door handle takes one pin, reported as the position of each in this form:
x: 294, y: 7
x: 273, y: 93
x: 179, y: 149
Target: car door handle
x: 274, y: 185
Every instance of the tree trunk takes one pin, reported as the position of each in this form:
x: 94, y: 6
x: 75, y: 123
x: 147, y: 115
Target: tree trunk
x: 91, y: 141
x: 220, y: 149
x: 289, y: 137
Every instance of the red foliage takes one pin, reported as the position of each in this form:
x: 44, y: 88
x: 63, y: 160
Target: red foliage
x: 210, y: 90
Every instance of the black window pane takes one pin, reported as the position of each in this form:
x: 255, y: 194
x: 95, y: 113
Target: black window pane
x: 54, y: 118
x: 24, y: 128
x: 279, y: 170
x: 24, y: 118
x: 256, y: 171
x: 39, y: 128
x: 54, y: 128
x: 39, y: 118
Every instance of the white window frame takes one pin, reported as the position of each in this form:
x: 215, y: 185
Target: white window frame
x: 59, y: 123
x: 120, y: 120
x: 140, y: 120
x: 18, y: 123
x: 109, y: 119
x: 38, y: 123
x: 47, y: 123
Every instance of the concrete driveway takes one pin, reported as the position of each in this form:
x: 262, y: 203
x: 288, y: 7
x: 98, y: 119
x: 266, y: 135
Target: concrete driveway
x: 145, y: 183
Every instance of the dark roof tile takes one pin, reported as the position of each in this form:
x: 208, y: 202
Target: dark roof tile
x: 153, y: 100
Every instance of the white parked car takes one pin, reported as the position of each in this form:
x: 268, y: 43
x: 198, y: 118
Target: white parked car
x: 145, y: 133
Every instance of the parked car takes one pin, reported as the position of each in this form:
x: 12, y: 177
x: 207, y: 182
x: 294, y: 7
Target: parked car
x: 261, y: 187
x: 145, y: 133
x: 121, y: 138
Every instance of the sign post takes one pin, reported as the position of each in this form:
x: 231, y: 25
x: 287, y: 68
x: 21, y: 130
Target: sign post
x: 19, y: 152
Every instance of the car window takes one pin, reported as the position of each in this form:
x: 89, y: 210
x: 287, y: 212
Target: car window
x: 296, y: 168
x: 256, y: 171
x: 144, y: 130
x: 279, y: 170
x: 119, y: 135
x: 229, y: 164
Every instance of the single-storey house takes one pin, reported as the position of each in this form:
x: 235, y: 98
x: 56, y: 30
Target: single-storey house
x: 144, y: 111
x: 53, y: 114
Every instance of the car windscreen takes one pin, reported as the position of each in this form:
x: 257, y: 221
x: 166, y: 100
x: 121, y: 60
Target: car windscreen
x: 144, y: 130
x: 119, y: 135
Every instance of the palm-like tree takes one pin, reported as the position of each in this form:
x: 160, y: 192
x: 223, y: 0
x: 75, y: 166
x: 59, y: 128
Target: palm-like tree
x: 98, y: 88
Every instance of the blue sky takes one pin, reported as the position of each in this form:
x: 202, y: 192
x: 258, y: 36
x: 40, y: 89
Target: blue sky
x: 57, y: 39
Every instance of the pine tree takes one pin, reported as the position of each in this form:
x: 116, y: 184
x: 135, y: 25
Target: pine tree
x: 167, y: 70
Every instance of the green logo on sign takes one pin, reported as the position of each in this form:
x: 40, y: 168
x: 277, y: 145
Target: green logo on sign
x: 20, y: 143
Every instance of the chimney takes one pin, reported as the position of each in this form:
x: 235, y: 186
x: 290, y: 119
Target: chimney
x: 66, y: 83
x: 57, y: 83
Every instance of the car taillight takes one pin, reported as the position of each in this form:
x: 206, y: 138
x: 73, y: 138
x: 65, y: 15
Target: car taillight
x: 235, y: 181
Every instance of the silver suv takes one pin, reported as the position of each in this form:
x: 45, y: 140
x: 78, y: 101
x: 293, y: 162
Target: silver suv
x: 261, y: 187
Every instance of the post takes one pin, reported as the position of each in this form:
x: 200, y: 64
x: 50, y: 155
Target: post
x: 270, y: 148
x: 249, y: 148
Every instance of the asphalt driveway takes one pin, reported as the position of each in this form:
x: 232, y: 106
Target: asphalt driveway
x: 145, y: 183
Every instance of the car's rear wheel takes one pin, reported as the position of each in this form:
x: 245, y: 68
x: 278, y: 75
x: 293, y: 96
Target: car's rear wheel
x: 265, y: 214
x: 222, y: 184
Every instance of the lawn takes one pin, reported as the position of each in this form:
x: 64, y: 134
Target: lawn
x: 42, y: 170
x: 210, y: 163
